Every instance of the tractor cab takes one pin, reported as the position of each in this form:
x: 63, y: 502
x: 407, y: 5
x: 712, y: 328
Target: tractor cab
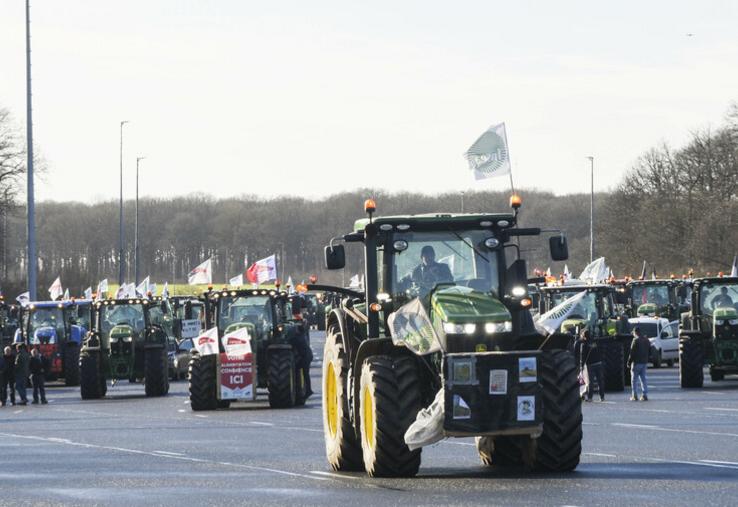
x: 709, y: 331
x: 189, y: 316
x: 8, y: 321
x: 653, y: 298
x: 596, y: 311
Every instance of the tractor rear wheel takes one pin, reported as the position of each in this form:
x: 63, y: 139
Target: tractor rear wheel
x: 390, y: 398
x: 281, y: 376
x: 614, y: 365
x: 691, y: 360
x: 71, y: 364
x: 203, y: 385
x: 92, y: 383
x: 156, y: 372
x: 342, y: 448
x: 716, y: 375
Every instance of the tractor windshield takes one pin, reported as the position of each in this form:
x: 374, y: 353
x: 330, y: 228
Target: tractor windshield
x: 585, y: 309
x: 122, y: 315
x: 718, y: 295
x: 82, y: 314
x: 46, y: 325
x: 422, y: 260
x: 657, y: 294
x: 256, y: 310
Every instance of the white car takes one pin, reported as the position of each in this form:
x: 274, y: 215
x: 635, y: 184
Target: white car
x: 664, y: 337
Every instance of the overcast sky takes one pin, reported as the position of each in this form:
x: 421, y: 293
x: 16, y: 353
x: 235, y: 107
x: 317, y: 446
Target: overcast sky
x: 310, y: 98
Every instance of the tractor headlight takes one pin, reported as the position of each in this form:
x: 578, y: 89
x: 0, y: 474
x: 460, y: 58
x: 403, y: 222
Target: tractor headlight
x: 498, y: 327
x: 453, y: 328
x: 128, y: 339
x: 113, y: 339
x: 733, y: 322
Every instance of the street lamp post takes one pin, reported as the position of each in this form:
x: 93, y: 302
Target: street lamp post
x: 31, y: 206
x: 591, y: 210
x: 135, y: 237
x: 121, y: 270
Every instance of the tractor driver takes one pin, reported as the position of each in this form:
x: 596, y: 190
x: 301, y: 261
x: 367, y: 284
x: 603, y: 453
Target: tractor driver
x: 722, y: 300
x: 429, y: 272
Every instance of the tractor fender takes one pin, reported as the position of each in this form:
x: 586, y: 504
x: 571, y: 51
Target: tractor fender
x: 368, y: 348
x: 338, y: 317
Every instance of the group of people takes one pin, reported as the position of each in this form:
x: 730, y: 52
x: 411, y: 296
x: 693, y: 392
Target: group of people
x: 15, y: 369
x: 590, y: 357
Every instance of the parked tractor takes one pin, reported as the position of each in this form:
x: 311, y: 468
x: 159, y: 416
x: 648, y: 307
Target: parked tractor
x: 456, y: 330
x: 189, y: 316
x: 269, y: 351
x: 708, y: 334
x: 128, y: 341
x: 653, y: 298
x: 596, y: 312
x: 53, y: 328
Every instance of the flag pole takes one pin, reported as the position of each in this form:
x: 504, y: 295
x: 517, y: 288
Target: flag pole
x: 507, y: 145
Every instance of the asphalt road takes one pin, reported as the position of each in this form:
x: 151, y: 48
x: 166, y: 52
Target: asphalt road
x: 680, y: 448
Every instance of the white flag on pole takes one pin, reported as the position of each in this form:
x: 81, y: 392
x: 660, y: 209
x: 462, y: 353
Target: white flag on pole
x: 207, y: 343
x: 489, y: 155
x: 165, y: 291
x: 56, y: 289
x: 734, y: 270
x: 263, y: 270
x: 202, y: 274
x: 552, y: 319
x: 143, y: 287
x: 88, y: 293
x: 236, y: 280
x: 567, y: 273
x: 290, y: 285
x: 23, y: 298
x: 66, y: 296
x: 102, y: 288
x: 354, y: 282
x: 595, y: 272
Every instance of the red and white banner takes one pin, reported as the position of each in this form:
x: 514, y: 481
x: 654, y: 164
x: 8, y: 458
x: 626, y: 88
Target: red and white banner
x: 237, y: 367
x: 237, y: 343
x: 207, y: 343
x: 263, y: 270
x: 202, y: 274
x: 56, y: 290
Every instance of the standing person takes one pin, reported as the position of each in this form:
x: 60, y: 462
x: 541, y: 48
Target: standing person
x: 589, y: 354
x: 640, y: 349
x: 38, y: 366
x: 22, y: 360
x: 8, y: 377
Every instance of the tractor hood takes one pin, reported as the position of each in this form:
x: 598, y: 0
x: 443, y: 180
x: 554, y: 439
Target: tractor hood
x: 121, y: 331
x: 459, y: 304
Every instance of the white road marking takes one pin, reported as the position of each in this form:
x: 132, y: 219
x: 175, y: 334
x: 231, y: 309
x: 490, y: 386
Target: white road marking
x: 181, y: 410
x: 719, y: 462
x: 259, y: 423
x: 725, y: 409
x: 337, y: 476
x: 200, y: 415
x: 170, y: 453
x: 157, y: 454
x: 601, y: 454
x: 696, y: 463
x: 674, y: 430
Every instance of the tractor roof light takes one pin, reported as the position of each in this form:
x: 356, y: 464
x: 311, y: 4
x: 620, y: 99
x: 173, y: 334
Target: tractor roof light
x: 515, y: 202
x: 370, y: 206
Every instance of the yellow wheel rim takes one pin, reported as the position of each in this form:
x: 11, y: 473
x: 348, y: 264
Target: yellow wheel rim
x: 368, y: 417
x: 331, y: 400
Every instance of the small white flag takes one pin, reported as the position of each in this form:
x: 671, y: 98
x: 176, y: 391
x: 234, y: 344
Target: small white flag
x: 263, y: 270
x: 354, y: 282
x: 489, y: 156
x: 236, y: 280
x: 567, y: 273
x: 88, y: 293
x: 23, y: 298
x: 102, y: 288
x: 207, y: 343
x: 202, y: 274
x: 66, y: 295
x: 165, y: 291
x: 290, y: 285
x: 550, y: 321
x: 56, y: 290
x: 143, y: 288
x: 734, y: 270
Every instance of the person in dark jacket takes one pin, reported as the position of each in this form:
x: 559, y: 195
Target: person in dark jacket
x: 38, y: 366
x: 589, y: 354
x: 640, y: 349
x: 7, y: 377
x: 22, y: 360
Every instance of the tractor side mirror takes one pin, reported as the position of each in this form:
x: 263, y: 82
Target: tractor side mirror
x: 559, y: 248
x: 335, y: 257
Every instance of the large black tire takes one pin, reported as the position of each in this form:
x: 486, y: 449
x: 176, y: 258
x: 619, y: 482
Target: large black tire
x: 657, y: 359
x: 71, y: 364
x: 716, y: 376
x: 691, y: 361
x: 390, y: 399
x: 613, y: 358
x: 203, y: 384
x: 92, y: 383
x: 342, y: 448
x: 281, y: 375
x: 156, y: 372
x: 300, y: 387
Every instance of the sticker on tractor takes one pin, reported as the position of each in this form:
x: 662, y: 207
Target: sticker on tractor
x: 207, y: 343
x: 498, y: 382
x: 237, y: 377
x: 526, y: 408
x: 463, y: 371
x: 461, y: 409
x: 527, y: 370
x: 191, y: 328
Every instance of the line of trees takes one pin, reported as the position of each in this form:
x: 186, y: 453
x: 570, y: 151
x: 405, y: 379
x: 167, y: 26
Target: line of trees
x: 676, y: 209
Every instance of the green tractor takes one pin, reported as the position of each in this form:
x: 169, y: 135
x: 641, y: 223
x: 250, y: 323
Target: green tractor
x: 653, y: 298
x: 128, y: 341
x: 708, y: 333
x: 596, y: 312
x: 454, y: 334
x: 274, y: 354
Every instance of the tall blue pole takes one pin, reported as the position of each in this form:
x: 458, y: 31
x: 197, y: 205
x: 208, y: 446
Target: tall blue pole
x: 31, y: 206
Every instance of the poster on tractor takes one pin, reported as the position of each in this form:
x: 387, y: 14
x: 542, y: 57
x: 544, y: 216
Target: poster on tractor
x: 191, y: 328
x: 237, y: 367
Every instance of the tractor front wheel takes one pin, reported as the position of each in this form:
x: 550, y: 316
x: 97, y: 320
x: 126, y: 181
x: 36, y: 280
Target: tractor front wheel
x: 156, y: 372
x: 691, y: 360
x: 390, y: 398
x: 71, y: 364
x: 203, y: 384
x: 92, y: 383
x: 281, y: 375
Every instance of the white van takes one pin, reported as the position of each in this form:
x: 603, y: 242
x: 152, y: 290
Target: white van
x: 664, y: 337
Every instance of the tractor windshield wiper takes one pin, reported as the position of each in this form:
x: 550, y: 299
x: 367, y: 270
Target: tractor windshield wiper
x: 469, y: 245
